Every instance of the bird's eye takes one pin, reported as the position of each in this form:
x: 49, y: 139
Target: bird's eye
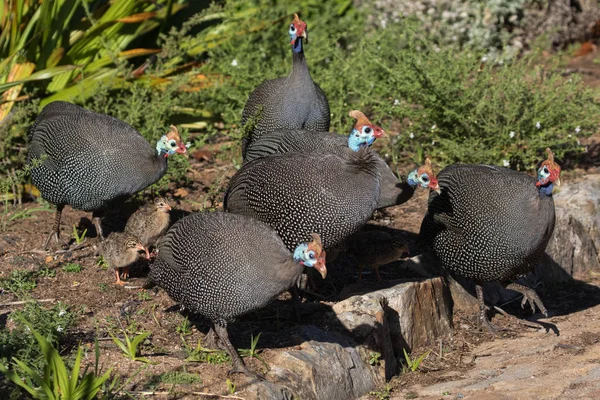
x: 367, y: 130
x: 173, y: 143
x: 311, y: 255
x: 425, y: 178
x: 546, y: 170
x: 292, y: 28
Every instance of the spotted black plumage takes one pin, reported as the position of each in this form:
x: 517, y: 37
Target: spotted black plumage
x: 488, y: 224
x: 292, y: 102
x: 392, y: 190
x: 91, y: 159
x: 299, y: 193
x: 223, y: 265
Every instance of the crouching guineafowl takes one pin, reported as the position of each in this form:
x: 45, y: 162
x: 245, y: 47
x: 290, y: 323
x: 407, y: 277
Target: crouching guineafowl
x: 492, y: 224
x: 222, y: 266
x: 89, y: 160
x: 291, y: 102
x: 363, y: 133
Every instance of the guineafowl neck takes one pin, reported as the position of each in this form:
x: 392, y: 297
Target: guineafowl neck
x: 158, y: 168
x: 546, y: 191
x: 299, y: 67
x: 289, y: 272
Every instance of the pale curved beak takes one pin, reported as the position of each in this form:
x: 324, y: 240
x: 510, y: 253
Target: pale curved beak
x: 557, y: 181
x: 181, y: 149
x: 381, y: 134
x: 305, y: 35
x: 145, y: 250
x: 320, y: 265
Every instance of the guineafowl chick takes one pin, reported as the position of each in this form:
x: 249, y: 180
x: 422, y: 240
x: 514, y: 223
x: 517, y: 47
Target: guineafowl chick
x: 375, y: 248
x: 363, y: 133
x: 223, y: 265
x: 90, y: 161
x: 119, y: 251
x: 492, y: 224
x: 150, y: 222
x: 292, y: 102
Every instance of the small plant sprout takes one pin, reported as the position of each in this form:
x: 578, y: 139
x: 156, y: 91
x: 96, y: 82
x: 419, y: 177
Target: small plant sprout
x: 203, y: 355
x: 72, y: 268
x: 185, y: 327
x: 230, y: 386
x: 413, y: 365
x: 252, y: 353
x: 79, y: 237
x: 144, y: 295
x: 130, y: 347
x: 374, y: 357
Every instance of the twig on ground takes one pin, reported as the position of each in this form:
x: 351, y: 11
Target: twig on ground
x: 18, y: 303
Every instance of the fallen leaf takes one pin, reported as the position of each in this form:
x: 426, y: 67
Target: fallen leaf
x: 48, y: 259
x: 181, y: 192
x: 203, y: 155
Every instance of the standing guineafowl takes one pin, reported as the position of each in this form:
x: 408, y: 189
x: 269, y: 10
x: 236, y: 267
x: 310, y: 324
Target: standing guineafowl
x: 492, y: 224
x: 292, y: 102
x: 300, y: 193
x: 150, y: 222
x: 222, y: 266
x: 89, y: 160
x: 363, y: 133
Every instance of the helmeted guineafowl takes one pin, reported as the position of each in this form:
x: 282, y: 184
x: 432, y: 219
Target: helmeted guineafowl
x: 292, y: 102
x: 149, y: 222
x: 223, y: 265
x: 492, y: 224
x: 89, y: 160
x: 300, y: 193
x: 119, y: 251
x: 363, y: 133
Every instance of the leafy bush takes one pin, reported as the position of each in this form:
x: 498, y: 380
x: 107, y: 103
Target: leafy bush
x: 445, y: 103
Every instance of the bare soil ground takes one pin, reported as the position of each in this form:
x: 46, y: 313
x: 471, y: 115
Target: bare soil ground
x: 520, y: 363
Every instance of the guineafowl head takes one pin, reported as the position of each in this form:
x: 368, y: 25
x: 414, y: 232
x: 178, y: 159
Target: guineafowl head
x: 548, y: 174
x: 171, y: 143
x: 364, y: 132
x: 297, y: 33
x: 312, y: 255
x: 162, y: 204
x: 133, y: 244
x: 424, y: 177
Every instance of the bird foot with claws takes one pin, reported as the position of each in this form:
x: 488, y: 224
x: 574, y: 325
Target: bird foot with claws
x: 240, y: 368
x: 529, y: 296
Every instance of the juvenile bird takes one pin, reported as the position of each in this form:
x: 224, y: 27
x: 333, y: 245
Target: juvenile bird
x: 90, y: 161
x: 492, y: 224
x: 363, y: 133
x: 119, y: 251
x: 223, y: 265
x: 292, y: 102
x: 375, y: 248
x: 150, y: 222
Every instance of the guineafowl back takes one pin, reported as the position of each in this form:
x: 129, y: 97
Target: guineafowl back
x: 392, y: 190
x: 90, y: 158
x: 300, y: 193
x: 223, y: 265
x: 488, y: 223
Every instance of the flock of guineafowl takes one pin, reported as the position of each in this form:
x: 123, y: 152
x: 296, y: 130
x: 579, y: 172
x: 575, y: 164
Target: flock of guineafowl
x: 301, y: 191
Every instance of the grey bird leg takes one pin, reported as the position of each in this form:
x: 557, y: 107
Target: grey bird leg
x: 529, y: 295
x: 296, y: 293
x: 56, y: 227
x: 96, y: 219
x: 236, y: 361
x: 483, y: 319
x: 211, y: 340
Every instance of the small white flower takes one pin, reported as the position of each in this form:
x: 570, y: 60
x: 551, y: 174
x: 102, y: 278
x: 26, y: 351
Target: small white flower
x: 234, y: 63
x: 433, y: 127
x: 396, y: 102
x: 578, y: 129
x: 538, y: 125
x: 578, y: 142
x: 511, y: 134
x: 505, y: 163
x: 188, y: 145
x: 412, y: 135
x: 62, y: 312
x: 59, y: 328
x: 433, y: 142
x: 484, y: 59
